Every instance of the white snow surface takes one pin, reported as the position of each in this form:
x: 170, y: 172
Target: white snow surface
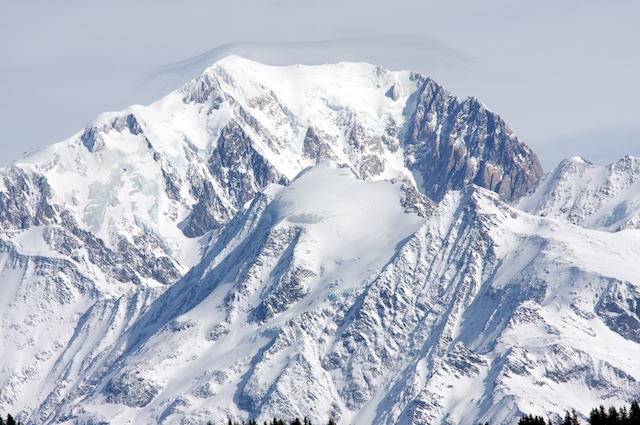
x: 322, y: 296
x: 352, y: 227
x: 120, y: 187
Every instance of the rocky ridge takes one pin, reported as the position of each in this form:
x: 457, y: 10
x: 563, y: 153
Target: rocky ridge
x: 587, y: 195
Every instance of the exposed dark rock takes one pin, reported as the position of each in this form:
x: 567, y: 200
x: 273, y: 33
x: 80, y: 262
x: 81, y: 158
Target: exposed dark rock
x: 237, y: 172
x: 317, y: 145
x: 619, y: 308
x: 451, y: 143
x: 26, y: 200
x: 132, y: 389
x: 92, y: 137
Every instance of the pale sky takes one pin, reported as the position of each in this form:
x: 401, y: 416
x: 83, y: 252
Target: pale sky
x: 563, y: 74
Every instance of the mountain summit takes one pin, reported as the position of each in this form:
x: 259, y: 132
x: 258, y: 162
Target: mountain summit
x: 324, y: 241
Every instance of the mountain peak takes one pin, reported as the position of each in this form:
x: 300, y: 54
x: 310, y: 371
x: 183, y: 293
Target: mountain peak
x: 302, y: 240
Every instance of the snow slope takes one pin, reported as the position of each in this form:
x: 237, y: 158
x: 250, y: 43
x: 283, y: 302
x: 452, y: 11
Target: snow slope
x: 481, y: 314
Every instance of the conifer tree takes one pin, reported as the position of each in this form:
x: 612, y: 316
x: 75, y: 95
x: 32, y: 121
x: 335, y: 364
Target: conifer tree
x: 574, y: 417
x: 634, y: 413
x: 598, y: 416
x: 570, y: 418
x: 624, y: 416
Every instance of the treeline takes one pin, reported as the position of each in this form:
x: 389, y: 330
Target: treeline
x: 598, y: 416
x: 9, y: 421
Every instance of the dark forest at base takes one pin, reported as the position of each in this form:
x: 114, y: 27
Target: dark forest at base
x: 598, y: 416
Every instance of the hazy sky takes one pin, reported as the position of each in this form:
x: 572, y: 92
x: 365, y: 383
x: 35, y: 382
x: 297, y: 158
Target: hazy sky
x: 563, y: 74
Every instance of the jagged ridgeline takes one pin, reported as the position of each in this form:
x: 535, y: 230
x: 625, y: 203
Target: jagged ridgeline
x: 337, y: 241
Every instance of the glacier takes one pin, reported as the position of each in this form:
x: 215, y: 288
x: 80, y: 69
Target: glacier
x: 324, y: 241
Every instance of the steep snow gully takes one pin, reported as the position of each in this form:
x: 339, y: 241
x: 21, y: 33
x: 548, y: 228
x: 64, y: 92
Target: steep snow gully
x: 323, y: 241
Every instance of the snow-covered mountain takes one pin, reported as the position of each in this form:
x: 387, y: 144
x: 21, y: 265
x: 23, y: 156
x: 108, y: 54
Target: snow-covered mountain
x: 603, y: 198
x: 336, y: 240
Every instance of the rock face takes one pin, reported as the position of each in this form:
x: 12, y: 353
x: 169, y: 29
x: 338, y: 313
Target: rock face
x: 325, y: 241
x: 452, y: 143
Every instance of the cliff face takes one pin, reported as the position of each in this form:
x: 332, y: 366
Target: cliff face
x: 452, y: 143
